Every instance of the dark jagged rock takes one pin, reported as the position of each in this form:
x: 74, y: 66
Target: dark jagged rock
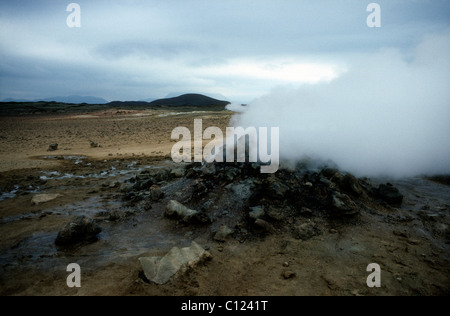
x: 156, y: 193
x: 343, y: 205
x: 80, y: 230
x: 276, y: 189
x: 238, y: 195
x: 389, y: 194
x: 351, y: 185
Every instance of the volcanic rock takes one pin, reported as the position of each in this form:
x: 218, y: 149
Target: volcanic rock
x: 80, y: 230
x: 276, y: 189
x: 343, y: 205
x: 52, y: 147
x: 390, y: 194
x: 156, y: 193
x: 44, y: 198
x: 223, y: 233
x: 160, y: 270
x: 351, y: 185
x: 177, y: 210
x: 263, y: 225
x: 256, y: 212
x: 306, y: 231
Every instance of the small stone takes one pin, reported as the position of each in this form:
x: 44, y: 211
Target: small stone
x: 265, y: 226
x: 156, y: 193
x: 256, y: 212
x: 306, y: 231
x: 223, y: 233
x: 413, y: 241
x: 288, y: 274
x: 286, y: 264
x: 400, y: 234
x: 306, y: 211
x: 274, y: 214
x: 95, y: 145
x: 177, y: 210
x: 114, y: 184
x: 53, y: 147
x: 44, y: 198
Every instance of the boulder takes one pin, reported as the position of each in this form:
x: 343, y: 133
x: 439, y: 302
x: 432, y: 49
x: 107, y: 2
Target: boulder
x: 160, y: 270
x: 156, y: 193
x: 177, y: 210
x: 390, y: 194
x: 343, y: 205
x: 80, y: 230
x: 351, y: 185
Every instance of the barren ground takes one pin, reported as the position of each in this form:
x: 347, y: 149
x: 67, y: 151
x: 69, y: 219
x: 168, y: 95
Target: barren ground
x: 410, y: 243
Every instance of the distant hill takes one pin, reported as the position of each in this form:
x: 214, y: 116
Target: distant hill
x: 216, y: 96
x: 191, y: 99
x: 128, y: 104
x: 72, y: 99
x: 78, y: 104
x: 15, y: 100
x: 76, y: 99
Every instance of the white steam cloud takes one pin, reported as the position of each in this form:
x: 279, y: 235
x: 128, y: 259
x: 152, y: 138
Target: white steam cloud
x: 389, y: 114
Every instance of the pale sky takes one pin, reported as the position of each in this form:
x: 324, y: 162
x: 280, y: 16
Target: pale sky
x: 134, y: 50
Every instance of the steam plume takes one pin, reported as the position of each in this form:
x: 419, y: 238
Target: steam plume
x: 389, y: 114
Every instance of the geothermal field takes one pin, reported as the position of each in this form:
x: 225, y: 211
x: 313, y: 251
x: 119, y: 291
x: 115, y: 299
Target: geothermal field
x: 100, y: 189
x: 224, y: 149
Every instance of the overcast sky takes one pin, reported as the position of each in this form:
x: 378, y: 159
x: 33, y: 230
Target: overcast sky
x: 133, y: 50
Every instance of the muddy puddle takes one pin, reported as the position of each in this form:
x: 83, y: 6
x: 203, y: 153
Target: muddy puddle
x: 91, y: 189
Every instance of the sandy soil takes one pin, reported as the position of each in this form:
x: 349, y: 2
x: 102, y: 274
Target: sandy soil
x: 411, y: 243
x: 118, y: 133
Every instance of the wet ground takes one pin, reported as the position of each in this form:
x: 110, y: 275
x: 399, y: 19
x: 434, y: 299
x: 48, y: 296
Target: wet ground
x: 411, y: 243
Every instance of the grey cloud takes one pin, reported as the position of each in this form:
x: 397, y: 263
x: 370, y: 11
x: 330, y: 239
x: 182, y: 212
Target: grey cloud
x: 187, y: 36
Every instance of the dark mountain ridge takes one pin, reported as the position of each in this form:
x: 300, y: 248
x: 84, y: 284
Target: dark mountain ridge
x: 53, y: 107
